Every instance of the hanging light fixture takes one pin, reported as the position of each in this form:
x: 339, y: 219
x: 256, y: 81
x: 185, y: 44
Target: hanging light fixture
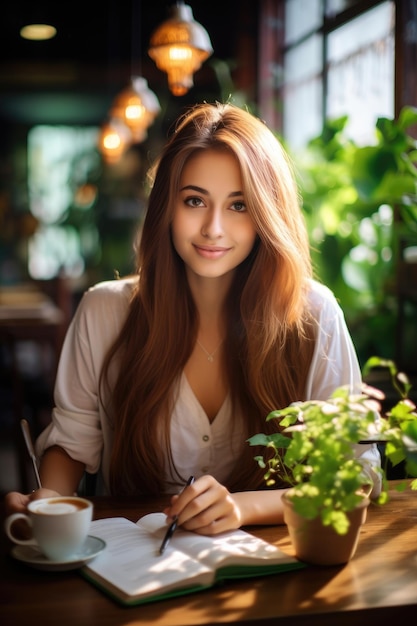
x: 113, y: 140
x: 39, y: 21
x: 179, y: 46
x: 38, y: 32
x: 136, y: 106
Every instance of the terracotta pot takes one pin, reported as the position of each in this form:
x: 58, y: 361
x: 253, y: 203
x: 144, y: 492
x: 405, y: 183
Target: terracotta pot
x: 321, y: 545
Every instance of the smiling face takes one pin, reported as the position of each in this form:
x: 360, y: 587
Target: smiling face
x: 212, y: 230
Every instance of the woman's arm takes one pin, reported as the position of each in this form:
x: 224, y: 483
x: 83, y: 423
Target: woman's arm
x: 260, y: 507
x: 59, y: 472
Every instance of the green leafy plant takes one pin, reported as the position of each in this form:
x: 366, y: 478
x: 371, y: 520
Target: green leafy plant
x: 399, y: 424
x: 360, y: 205
x: 314, y: 452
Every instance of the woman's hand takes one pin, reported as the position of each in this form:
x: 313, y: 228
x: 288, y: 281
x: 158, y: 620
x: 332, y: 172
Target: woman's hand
x: 206, y: 507
x: 17, y: 503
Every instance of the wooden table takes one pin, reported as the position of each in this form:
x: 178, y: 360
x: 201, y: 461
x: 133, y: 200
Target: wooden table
x: 379, y: 585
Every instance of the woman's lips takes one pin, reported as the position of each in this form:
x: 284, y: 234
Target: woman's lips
x: 211, y: 252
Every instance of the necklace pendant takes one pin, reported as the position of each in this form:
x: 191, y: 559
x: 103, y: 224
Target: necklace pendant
x: 210, y: 357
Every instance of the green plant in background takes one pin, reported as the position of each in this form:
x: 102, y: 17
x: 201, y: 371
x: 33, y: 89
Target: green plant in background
x: 399, y: 426
x: 360, y: 203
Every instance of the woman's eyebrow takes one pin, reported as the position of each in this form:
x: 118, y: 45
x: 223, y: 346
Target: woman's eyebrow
x: 194, y: 188
x: 232, y: 194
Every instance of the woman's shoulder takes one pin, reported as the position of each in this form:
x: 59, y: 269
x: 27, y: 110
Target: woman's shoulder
x: 320, y: 298
x: 318, y: 291
x: 113, y: 289
x: 111, y: 298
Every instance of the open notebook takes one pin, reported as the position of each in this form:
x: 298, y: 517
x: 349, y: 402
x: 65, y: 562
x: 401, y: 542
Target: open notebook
x: 131, y: 570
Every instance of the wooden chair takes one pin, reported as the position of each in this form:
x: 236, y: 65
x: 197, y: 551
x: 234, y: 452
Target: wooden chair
x: 33, y: 323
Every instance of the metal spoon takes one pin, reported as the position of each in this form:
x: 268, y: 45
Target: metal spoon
x: 31, y: 450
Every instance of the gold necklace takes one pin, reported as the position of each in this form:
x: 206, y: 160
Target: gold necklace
x: 210, y: 356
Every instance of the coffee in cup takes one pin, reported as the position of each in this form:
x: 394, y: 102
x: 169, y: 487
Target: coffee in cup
x: 60, y: 525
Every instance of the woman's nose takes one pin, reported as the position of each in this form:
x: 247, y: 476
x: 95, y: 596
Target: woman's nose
x: 212, y: 227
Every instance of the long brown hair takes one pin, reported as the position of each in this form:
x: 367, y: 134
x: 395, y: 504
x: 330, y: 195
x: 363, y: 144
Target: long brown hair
x: 268, y: 344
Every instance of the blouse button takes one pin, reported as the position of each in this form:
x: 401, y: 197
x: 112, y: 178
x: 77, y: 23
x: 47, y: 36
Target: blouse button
x: 206, y: 437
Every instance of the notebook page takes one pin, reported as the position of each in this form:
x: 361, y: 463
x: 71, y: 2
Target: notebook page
x: 131, y: 560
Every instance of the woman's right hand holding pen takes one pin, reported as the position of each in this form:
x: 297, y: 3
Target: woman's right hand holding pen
x: 205, y: 507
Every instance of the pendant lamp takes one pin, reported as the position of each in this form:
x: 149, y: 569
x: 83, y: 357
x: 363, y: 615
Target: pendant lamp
x: 179, y: 46
x: 134, y: 109
x: 113, y: 140
x: 136, y: 106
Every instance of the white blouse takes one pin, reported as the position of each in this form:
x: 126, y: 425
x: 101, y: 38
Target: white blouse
x: 82, y: 427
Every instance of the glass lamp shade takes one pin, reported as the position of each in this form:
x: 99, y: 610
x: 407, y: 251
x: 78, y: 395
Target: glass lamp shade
x: 114, y: 138
x: 179, y: 46
x: 136, y: 106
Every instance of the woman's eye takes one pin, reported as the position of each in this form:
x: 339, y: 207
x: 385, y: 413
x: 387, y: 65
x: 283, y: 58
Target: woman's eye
x: 193, y: 201
x: 240, y: 207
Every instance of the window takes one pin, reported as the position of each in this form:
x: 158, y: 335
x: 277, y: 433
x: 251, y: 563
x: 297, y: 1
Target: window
x: 336, y: 58
x: 60, y: 162
x: 360, y: 71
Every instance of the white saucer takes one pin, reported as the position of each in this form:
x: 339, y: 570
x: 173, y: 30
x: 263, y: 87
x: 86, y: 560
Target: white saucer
x: 31, y: 555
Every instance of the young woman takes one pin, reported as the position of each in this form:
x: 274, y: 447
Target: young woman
x: 166, y: 374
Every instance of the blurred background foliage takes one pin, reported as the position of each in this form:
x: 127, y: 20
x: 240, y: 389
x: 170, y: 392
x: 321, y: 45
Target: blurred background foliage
x: 360, y: 204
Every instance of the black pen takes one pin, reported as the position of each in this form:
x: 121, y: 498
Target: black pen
x: 173, y: 527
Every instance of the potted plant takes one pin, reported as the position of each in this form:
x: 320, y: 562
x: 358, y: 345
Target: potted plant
x: 314, y: 454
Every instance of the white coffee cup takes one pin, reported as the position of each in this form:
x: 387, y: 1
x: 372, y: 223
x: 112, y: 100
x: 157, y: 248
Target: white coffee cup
x: 60, y: 525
